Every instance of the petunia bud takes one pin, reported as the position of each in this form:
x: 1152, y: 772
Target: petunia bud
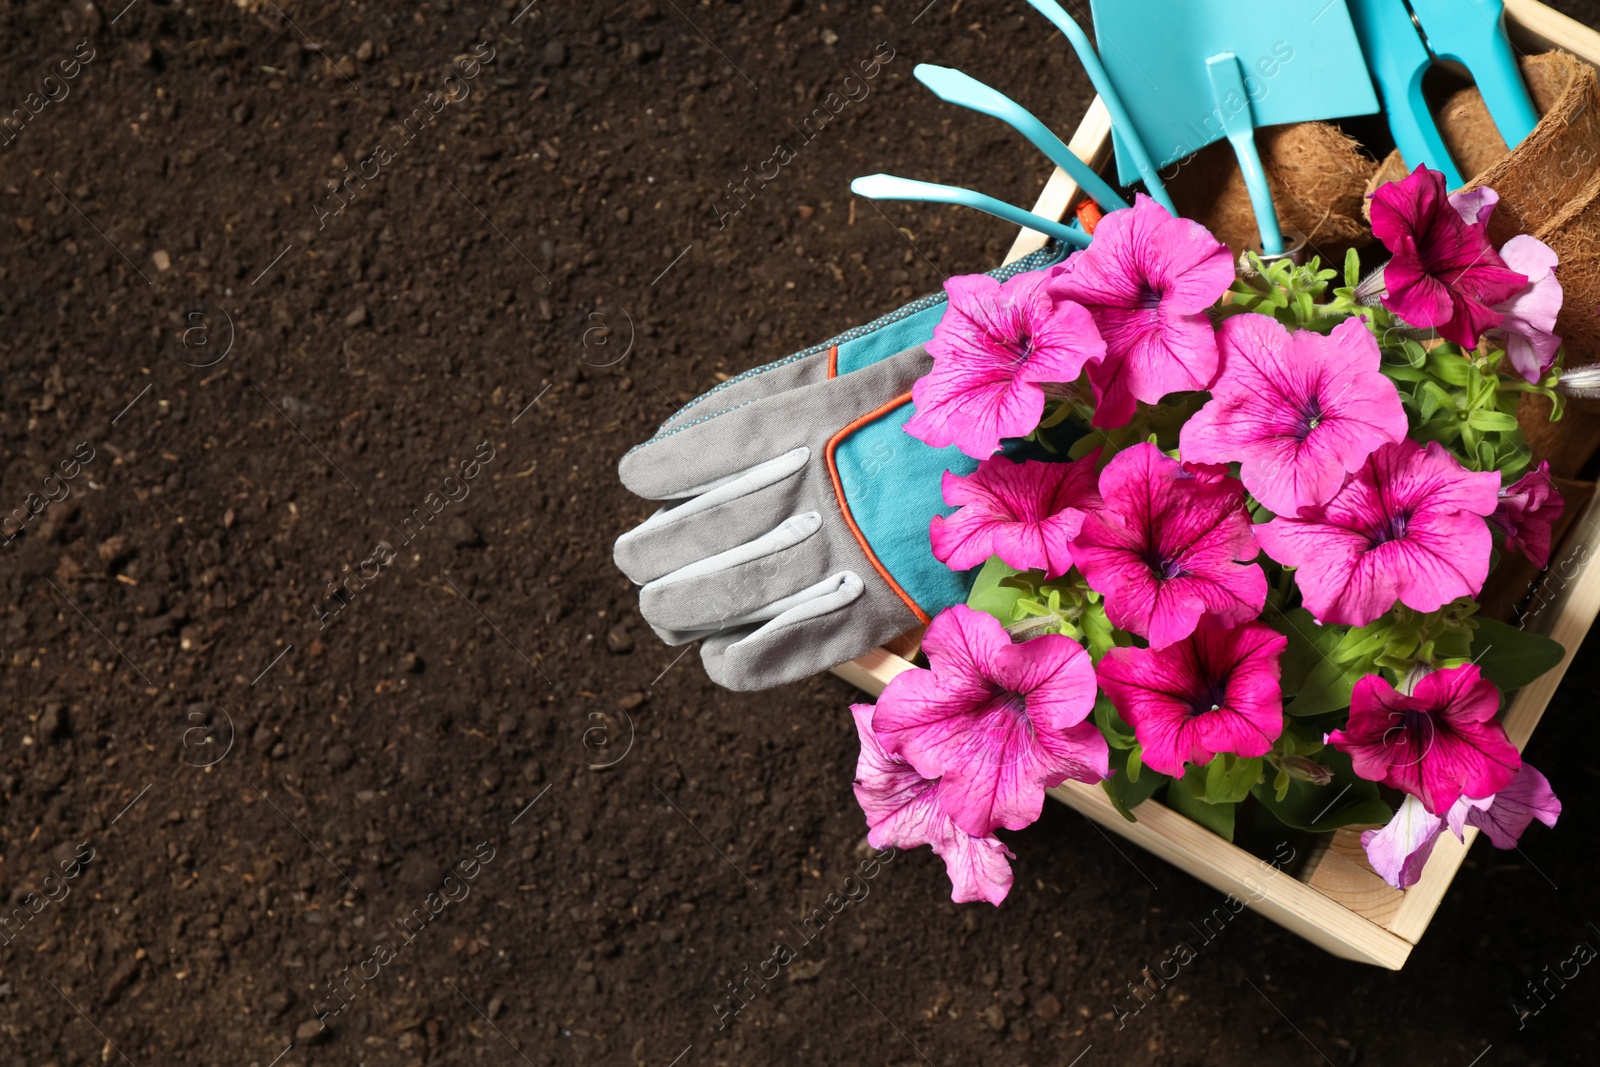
x: 1371, y: 290
x: 1307, y: 770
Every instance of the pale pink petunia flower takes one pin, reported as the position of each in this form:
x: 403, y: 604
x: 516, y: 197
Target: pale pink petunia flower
x: 997, y: 723
x: 1025, y: 513
x: 1215, y: 691
x: 1169, y: 546
x: 902, y: 809
x: 1147, y: 279
x: 997, y: 346
x: 1505, y: 815
x: 1400, y: 850
x: 1443, y: 273
x: 1408, y: 526
x: 1296, y: 411
x: 1528, y: 330
x: 1527, y: 512
x: 1439, y: 742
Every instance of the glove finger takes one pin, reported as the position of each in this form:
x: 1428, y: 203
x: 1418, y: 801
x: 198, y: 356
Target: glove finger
x: 715, y: 521
x: 805, y: 640
x: 720, y: 444
x: 830, y: 586
x: 740, y: 584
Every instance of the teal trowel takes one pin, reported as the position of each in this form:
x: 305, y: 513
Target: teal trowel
x: 1191, y: 72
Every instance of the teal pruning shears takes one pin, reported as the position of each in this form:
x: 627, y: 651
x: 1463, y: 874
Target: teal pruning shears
x: 1403, y: 38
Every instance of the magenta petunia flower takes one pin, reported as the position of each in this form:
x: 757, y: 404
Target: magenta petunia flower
x: 1528, y: 330
x: 1297, y: 411
x: 995, y: 348
x: 1527, y: 512
x: 1438, y: 743
x: 1215, y: 691
x: 902, y: 809
x: 1443, y: 273
x: 1169, y: 546
x: 1407, y: 526
x: 997, y: 723
x: 1025, y: 513
x: 1147, y: 279
x: 1400, y: 850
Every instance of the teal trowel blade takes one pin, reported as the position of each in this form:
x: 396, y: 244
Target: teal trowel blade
x: 1301, y: 61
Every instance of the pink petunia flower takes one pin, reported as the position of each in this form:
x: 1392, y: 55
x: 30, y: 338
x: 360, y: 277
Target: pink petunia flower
x: 995, y: 348
x: 1215, y: 691
x: 1169, y: 546
x: 1443, y: 273
x: 1526, y: 513
x: 1400, y: 850
x: 1407, y: 526
x: 903, y: 811
x: 1147, y: 279
x: 997, y: 723
x: 1025, y: 513
x: 1296, y: 411
x: 1439, y: 742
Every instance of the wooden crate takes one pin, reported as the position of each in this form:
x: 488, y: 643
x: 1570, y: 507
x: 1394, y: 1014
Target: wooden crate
x: 1336, y: 901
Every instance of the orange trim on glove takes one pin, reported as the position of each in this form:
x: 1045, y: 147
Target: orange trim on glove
x: 844, y: 505
x: 833, y: 362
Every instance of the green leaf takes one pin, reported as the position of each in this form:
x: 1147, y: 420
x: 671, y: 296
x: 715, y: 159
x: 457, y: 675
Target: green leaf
x: 1492, y: 421
x: 1352, y: 268
x: 1218, y: 818
x: 1309, y: 645
x: 1511, y: 658
x: 1135, y: 762
x: 1117, y: 733
x: 989, y: 596
x: 1345, y: 801
x: 1323, y: 654
x: 1125, y: 793
x: 1229, y: 778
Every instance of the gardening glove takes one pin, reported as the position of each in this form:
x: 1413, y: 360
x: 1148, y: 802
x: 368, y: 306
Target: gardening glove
x: 795, y: 534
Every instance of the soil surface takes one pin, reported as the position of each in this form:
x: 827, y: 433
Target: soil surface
x: 228, y: 790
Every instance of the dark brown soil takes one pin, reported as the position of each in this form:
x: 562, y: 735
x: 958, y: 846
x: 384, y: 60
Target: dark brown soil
x: 225, y: 789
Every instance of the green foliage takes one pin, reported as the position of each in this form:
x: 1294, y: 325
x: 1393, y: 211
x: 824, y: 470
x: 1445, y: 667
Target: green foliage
x: 1126, y: 789
x: 1218, y: 818
x: 1286, y: 292
x: 1345, y: 800
x: 1511, y: 658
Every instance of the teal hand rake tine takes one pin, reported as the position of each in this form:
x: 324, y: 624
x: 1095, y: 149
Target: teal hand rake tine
x: 1121, y: 124
x: 888, y: 187
x: 954, y: 87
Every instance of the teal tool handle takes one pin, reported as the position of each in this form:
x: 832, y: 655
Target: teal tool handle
x: 888, y: 187
x: 1227, y: 85
x: 954, y: 87
x: 1473, y: 33
x: 1397, y: 59
x: 1120, y: 122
